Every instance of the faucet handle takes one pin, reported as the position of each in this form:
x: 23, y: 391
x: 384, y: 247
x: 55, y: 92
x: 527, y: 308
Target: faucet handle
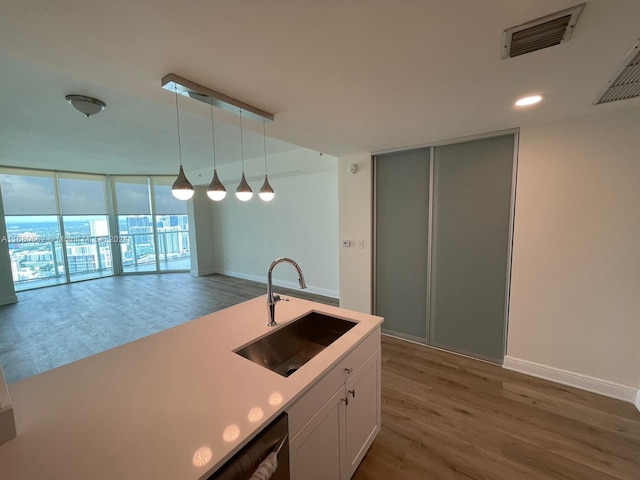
x: 277, y: 298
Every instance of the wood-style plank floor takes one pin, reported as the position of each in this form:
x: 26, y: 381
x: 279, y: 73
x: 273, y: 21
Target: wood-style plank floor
x: 448, y: 417
x: 444, y: 416
x: 56, y: 325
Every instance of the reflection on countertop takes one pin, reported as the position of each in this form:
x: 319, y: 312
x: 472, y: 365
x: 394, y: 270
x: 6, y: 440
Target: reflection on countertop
x: 176, y: 404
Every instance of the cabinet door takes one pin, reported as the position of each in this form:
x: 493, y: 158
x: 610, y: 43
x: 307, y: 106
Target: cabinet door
x: 362, y: 414
x: 316, y: 450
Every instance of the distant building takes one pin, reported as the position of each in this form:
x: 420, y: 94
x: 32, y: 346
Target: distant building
x: 139, y: 239
x: 82, y: 258
x: 99, y: 228
x: 39, y: 256
x: 140, y: 224
x: 14, y: 269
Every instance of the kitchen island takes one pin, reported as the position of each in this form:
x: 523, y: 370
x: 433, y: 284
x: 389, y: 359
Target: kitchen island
x: 174, y: 405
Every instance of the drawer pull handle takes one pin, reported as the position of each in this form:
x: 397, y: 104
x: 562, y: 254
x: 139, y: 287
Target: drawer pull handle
x: 349, y: 371
x: 352, y: 392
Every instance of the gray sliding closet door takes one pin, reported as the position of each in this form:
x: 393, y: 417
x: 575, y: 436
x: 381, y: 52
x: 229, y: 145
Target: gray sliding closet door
x: 470, y: 249
x: 401, y: 231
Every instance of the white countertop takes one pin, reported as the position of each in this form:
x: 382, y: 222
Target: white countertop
x: 156, y: 407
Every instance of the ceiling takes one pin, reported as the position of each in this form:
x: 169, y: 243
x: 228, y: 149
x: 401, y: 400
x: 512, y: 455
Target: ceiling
x: 340, y: 76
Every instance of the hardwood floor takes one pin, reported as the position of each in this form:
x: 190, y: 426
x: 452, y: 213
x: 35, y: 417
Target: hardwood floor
x: 449, y: 417
x: 53, y: 326
x: 444, y: 416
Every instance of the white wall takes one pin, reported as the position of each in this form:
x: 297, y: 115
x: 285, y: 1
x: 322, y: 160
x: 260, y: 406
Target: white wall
x: 355, y: 196
x: 201, y: 233
x: 301, y: 222
x: 575, y: 294
x: 7, y: 292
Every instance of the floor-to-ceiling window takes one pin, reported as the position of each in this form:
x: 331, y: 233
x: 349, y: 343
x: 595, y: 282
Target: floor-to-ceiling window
x: 172, y: 226
x: 153, y: 226
x: 66, y: 227
x: 86, y: 226
x: 135, y: 226
x: 33, y: 228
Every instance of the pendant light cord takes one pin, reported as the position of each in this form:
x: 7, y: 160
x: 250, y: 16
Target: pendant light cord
x: 213, y: 136
x: 178, y: 121
x: 241, y: 143
x: 264, y: 138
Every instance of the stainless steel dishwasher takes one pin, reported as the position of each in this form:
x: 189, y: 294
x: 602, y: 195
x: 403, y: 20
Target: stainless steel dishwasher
x: 274, y: 437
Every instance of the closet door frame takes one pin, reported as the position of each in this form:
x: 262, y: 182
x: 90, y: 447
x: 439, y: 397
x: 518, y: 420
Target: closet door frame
x: 514, y: 176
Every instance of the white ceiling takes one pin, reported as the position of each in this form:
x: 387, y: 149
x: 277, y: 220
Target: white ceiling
x: 340, y: 76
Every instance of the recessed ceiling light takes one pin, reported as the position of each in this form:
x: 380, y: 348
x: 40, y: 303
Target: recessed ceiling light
x: 526, y: 101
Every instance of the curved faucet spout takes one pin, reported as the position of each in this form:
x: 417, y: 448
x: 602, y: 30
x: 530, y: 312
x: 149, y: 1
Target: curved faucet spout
x: 273, y: 298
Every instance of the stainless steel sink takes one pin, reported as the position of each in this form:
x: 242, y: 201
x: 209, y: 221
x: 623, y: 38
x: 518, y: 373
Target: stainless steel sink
x: 288, y: 348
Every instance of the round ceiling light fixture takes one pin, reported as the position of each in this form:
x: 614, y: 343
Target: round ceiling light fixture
x: 527, y: 101
x: 86, y: 105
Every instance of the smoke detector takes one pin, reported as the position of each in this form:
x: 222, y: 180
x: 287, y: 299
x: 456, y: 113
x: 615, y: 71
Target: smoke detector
x: 540, y: 33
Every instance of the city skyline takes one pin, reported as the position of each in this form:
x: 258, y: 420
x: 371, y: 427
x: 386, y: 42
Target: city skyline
x: 37, y: 253
x: 59, y: 228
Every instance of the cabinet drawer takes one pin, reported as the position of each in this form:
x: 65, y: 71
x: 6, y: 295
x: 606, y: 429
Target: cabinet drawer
x: 321, y: 391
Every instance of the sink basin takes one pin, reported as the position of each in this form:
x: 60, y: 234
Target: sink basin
x: 288, y: 348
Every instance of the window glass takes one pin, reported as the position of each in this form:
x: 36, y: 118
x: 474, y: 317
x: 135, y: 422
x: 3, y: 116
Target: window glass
x: 45, y: 243
x: 137, y: 243
x: 166, y: 203
x: 132, y: 195
x: 82, y: 195
x: 28, y: 194
x: 88, y: 246
x: 35, y: 251
x: 173, y: 242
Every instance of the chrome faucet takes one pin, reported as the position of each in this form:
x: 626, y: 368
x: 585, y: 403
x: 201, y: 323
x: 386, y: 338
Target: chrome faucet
x: 273, y: 298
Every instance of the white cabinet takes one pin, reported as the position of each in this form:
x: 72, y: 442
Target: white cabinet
x: 333, y: 425
x: 362, y: 414
x: 315, y: 452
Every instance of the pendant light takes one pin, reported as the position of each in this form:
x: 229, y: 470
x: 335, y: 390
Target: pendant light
x: 181, y: 188
x: 266, y: 192
x: 243, y: 192
x: 216, y: 190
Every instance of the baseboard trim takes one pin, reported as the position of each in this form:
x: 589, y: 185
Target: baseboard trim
x: 572, y: 379
x: 203, y: 272
x: 8, y: 300
x: 637, y: 402
x: 279, y: 283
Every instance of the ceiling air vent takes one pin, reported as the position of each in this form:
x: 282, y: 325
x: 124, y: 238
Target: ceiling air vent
x: 540, y: 33
x: 625, y: 82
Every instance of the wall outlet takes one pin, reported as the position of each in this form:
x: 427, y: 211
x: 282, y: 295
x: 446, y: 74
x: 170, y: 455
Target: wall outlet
x: 346, y: 243
x: 360, y: 244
